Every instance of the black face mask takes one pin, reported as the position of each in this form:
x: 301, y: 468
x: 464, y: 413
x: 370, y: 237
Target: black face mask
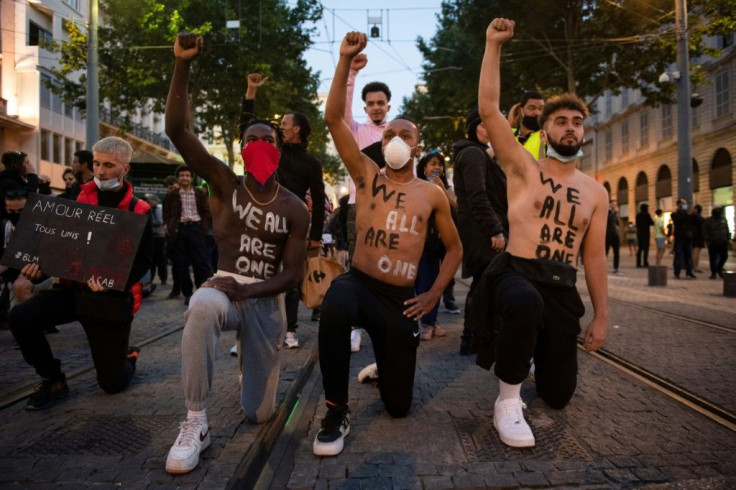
x: 44, y: 188
x: 530, y: 122
x: 13, y: 218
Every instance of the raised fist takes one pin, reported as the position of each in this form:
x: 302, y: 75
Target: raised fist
x: 359, y: 62
x: 500, y: 30
x: 255, y: 80
x: 353, y: 43
x: 187, y: 46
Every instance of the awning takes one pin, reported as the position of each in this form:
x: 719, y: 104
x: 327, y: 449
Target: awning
x: 14, y: 123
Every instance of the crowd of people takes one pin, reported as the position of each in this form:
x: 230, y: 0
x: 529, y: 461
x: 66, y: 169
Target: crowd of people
x: 518, y: 218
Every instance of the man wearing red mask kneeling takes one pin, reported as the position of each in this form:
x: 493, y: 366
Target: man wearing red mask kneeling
x: 260, y: 229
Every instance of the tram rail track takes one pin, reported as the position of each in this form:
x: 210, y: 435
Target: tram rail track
x: 686, y: 397
x: 11, y: 398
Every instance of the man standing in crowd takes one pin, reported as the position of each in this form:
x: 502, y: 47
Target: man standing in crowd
x: 83, y: 171
x: 684, y: 222
x: 300, y: 172
x: 260, y: 230
x: 106, y: 315
x: 613, y: 235
x: 643, y: 222
x: 553, y: 209
x: 480, y: 187
x: 392, y: 214
x: 188, y: 220
x: 524, y: 118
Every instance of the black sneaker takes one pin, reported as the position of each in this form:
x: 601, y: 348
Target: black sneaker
x: 330, y: 439
x: 47, y: 393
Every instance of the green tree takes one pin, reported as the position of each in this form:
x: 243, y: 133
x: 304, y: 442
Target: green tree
x: 136, y: 61
x: 583, y: 46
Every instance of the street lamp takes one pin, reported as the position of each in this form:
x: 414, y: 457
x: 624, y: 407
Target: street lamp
x: 684, y: 143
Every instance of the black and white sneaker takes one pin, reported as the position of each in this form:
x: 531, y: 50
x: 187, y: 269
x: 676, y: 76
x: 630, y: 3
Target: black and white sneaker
x: 330, y: 439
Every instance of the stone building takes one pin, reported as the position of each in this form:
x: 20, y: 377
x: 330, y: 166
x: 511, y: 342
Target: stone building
x: 632, y: 148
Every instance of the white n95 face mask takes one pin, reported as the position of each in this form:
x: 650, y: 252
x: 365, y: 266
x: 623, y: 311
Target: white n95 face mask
x: 397, y: 153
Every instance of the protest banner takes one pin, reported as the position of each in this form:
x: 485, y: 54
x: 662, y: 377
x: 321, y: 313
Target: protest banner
x: 76, y: 241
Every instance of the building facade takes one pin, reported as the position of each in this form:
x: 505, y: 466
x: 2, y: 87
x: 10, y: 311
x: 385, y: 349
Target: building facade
x: 633, y: 148
x: 32, y: 118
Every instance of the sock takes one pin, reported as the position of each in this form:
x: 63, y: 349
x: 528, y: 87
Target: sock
x: 506, y: 391
x: 200, y: 415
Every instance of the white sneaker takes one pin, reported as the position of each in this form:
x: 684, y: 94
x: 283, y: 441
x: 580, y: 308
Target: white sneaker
x: 508, y: 418
x: 369, y: 373
x: 234, y: 350
x: 355, y: 339
x: 291, y: 342
x: 194, y: 437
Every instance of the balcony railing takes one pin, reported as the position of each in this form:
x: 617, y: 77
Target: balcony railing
x: 139, y: 130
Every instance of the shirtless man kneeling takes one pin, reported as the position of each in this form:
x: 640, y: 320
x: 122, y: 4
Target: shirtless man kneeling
x: 392, y: 212
x: 553, y: 209
x: 260, y: 230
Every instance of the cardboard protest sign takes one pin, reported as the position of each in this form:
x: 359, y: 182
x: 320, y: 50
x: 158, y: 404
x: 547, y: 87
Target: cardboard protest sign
x: 76, y: 241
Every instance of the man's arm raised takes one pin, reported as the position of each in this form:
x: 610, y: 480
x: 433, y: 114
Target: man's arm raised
x: 356, y: 64
x: 510, y: 154
x: 423, y: 304
x: 186, y: 47
x: 352, y: 44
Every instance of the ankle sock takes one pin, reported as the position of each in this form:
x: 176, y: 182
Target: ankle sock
x: 197, y: 414
x: 506, y: 391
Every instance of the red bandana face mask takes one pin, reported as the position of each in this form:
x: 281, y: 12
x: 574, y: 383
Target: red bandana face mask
x: 261, y: 160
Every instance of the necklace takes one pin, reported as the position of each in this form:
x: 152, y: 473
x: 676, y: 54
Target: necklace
x: 252, y: 197
x: 399, y: 183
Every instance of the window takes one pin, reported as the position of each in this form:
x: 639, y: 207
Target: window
x: 45, y: 92
x: 56, y: 103
x: 694, y: 117
x: 625, y: 137
x: 625, y: 98
x: 644, y: 129
x: 57, y: 148
x: 723, y: 96
x: 666, y: 122
x: 68, y: 151
x: 609, y: 104
x: 45, y: 154
x: 609, y: 145
x: 73, y: 4
x: 37, y: 35
x: 725, y: 41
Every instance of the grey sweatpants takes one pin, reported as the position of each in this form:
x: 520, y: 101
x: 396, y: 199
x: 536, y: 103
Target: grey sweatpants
x: 260, y: 324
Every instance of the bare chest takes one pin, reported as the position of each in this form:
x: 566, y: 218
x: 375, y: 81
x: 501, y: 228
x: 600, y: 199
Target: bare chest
x: 552, y: 217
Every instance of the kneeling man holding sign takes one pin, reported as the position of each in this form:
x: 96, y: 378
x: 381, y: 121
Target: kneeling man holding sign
x: 105, y: 313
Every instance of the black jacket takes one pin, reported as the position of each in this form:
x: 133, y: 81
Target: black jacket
x: 480, y: 187
x: 643, y: 222
x: 300, y: 171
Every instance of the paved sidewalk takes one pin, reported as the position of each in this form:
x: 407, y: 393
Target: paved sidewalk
x: 617, y: 432
x: 93, y: 439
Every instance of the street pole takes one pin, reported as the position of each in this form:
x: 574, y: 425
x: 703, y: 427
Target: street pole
x: 684, y: 143
x: 93, y: 83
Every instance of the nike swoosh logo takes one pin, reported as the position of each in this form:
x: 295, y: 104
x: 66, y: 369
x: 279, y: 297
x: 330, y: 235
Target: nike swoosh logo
x: 202, y: 437
x: 416, y: 334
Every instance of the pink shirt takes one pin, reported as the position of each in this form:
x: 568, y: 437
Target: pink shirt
x: 366, y: 133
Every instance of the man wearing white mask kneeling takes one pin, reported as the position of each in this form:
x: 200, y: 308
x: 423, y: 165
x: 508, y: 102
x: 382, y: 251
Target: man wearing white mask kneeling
x: 392, y: 215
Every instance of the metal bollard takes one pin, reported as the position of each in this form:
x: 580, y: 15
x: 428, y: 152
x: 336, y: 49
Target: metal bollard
x: 729, y: 284
x: 657, y: 275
